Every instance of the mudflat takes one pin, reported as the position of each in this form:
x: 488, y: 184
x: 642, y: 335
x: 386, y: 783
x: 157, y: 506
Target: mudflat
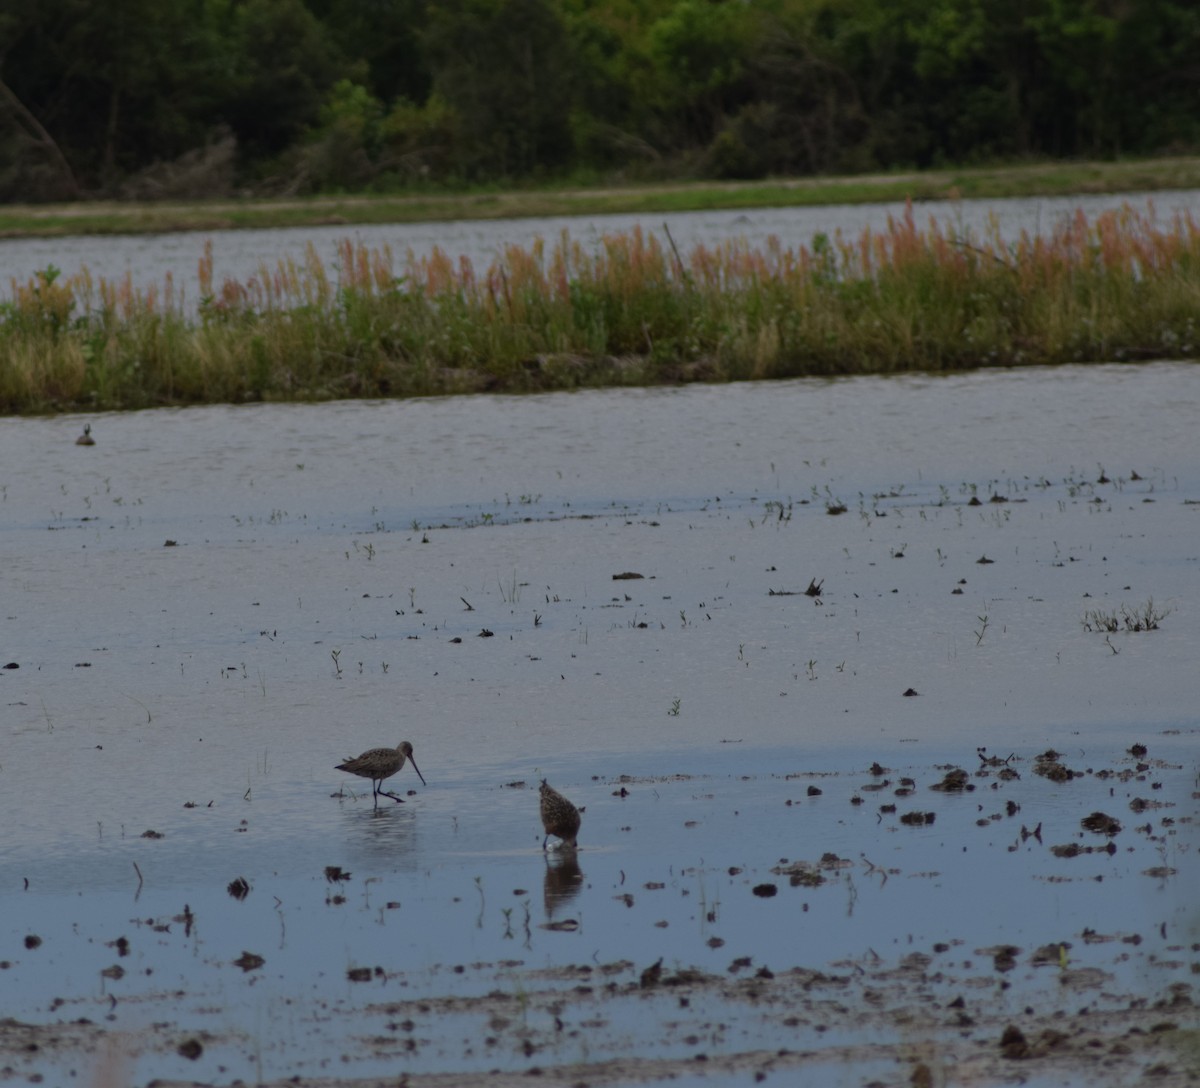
x: 875, y: 696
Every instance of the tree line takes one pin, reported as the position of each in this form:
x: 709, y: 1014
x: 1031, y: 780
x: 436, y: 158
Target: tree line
x: 193, y: 98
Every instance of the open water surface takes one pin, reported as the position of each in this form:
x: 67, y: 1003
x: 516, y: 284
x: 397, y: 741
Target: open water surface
x: 211, y: 607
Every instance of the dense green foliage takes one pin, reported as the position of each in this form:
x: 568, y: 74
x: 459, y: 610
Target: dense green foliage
x: 201, y: 97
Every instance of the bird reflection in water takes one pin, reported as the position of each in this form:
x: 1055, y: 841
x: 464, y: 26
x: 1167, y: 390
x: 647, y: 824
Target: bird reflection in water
x: 562, y: 882
x: 382, y: 836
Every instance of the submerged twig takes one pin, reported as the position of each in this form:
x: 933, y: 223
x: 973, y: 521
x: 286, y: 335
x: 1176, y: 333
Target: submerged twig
x: 141, y: 704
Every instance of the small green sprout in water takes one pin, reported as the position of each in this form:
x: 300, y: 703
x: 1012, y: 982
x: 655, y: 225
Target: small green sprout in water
x: 983, y: 626
x: 1145, y: 618
x: 510, y: 593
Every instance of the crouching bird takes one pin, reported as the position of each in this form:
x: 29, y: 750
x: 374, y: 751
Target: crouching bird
x: 559, y: 817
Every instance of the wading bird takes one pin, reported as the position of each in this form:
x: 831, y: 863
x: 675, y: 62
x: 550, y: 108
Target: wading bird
x: 380, y: 763
x: 559, y: 817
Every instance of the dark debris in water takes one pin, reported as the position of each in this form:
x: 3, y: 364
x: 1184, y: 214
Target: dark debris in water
x: 190, y: 1049
x: 800, y: 874
x: 1101, y: 823
x: 249, y: 961
x: 954, y: 781
x: 1054, y: 954
x: 652, y: 975
x: 1074, y: 850
x: 1048, y: 765
x: 1004, y: 957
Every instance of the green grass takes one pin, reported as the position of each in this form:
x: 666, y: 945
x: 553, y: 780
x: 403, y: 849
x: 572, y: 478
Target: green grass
x: 632, y: 312
x: 1034, y: 179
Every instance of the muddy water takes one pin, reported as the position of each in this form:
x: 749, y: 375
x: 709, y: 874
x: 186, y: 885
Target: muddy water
x: 238, y: 254
x: 210, y: 608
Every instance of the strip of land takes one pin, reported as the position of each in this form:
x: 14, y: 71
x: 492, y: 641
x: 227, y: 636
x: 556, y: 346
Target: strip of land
x: 987, y: 183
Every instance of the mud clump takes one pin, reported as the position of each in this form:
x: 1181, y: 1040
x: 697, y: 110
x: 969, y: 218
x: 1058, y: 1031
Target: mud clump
x: 800, y: 874
x: 1073, y: 849
x: 1051, y: 955
x: 1016, y: 1047
x: 651, y: 976
x: 1004, y: 958
x: 1049, y: 766
x: 1013, y: 1044
x: 190, y: 1049
x: 1101, y: 823
x: 954, y: 781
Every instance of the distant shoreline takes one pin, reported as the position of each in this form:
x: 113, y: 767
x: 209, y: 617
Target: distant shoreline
x: 999, y: 182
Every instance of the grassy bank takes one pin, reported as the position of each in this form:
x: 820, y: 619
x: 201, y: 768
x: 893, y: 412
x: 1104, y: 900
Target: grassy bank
x: 634, y: 312
x: 1038, y: 179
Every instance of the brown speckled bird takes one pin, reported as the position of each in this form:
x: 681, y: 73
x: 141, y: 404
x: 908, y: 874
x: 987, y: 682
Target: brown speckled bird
x: 380, y: 763
x: 86, y: 438
x: 559, y: 817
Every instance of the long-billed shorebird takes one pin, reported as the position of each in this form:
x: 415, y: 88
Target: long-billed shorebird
x: 86, y: 438
x: 559, y: 816
x: 380, y: 763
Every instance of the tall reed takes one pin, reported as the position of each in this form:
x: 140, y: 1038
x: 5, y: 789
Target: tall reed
x: 631, y: 310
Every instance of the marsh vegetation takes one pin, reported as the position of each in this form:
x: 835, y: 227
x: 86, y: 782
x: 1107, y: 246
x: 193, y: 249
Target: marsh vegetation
x: 635, y: 310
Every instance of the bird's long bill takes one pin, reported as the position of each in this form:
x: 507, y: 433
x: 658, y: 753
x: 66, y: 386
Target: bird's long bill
x: 418, y: 770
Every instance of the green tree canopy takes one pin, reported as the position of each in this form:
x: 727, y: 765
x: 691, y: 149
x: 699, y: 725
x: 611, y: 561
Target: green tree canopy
x: 348, y: 93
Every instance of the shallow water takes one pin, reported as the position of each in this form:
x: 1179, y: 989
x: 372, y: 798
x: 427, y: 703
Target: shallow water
x: 326, y: 558
x: 238, y: 254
